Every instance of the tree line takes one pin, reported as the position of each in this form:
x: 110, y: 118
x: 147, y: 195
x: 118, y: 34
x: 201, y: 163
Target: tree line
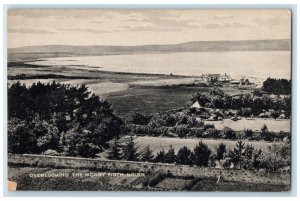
x: 247, y: 104
x: 242, y: 156
x: 183, y: 125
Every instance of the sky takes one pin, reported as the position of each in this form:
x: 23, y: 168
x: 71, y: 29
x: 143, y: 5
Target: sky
x: 32, y: 27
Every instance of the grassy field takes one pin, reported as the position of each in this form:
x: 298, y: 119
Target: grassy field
x: 255, y: 124
x: 158, y: 143
x: 150, y: 100
x: 25, y: 182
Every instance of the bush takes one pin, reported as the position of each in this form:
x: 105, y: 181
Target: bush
x: 156, y: 179
x: 51, y: 152
x: 229, y: 133
x: 248, y: 133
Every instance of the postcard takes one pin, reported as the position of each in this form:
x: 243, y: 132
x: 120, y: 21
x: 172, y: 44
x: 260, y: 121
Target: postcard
x: 149, y: 100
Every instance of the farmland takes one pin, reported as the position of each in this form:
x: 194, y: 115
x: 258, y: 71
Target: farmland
x: 158, y: 143
x: 254, y: 124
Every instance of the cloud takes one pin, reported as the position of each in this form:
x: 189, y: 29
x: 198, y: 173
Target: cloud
x: 157, y: 20
x: 85, y: 30
x: 30, y: 31
x: 224, y: 25
x: 154, y: 29
x: 58, y: 13
x: 276, y: 20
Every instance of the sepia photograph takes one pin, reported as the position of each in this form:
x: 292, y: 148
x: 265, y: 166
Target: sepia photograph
x: 185, y: 100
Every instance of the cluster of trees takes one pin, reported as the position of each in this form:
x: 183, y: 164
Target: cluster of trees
x: 167, y: 119
x: 171, y: 123
x: 129, y: 151
x: 67, y: 119
x: 246, y: 104
x: 241, y: 156
x: 277, y: 86
x: 179, y: 124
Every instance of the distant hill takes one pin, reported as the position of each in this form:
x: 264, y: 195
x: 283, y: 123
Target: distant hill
x: 34, y: 52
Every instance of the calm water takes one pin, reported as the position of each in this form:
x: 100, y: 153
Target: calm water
x: 257, y: 64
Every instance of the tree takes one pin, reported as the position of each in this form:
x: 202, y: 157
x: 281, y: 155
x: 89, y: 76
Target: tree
x: 47, y: 135
x: 276, y: 157
x: 237, y: 155
x: 130, y: 152
x: 266, y: 134
x: 252, y: 158
x: 217, y: 102
x: 78, y: 143
x: 181, y: 131
x: 20, y: 138
x: 201, y: 154
x: 115, y: 150
x: 160, y: 157
x: 184, y: 156
x: 170, y: 156
x: 52, y: 109
x: 277, y: 86
x: 146, y: 154
x: 137, y: 118
x: 221, y: 150
x: 275, y: 114
x: 248, y: 133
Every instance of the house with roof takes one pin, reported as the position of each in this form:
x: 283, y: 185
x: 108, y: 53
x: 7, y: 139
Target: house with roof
x: 224, y: 78
x: 209, y: 77
x: 196, y: 105
x: 215, y: 78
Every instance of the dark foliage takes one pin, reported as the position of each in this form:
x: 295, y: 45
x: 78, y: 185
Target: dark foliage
x: 59, y: 117
x: 221, y: 150
x: 115, y: 150
x: 277, y: 86
x: 130, y: 152
x: 201, y: 154
x: 146, y: 154
x: 184, y: 156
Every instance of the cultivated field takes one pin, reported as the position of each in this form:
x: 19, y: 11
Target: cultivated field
x: 254, y: 124
x: 158, y: 143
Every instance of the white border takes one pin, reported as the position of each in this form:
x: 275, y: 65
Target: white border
x: 110, y: 2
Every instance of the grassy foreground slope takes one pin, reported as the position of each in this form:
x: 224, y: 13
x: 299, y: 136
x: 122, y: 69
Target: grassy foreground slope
x: 21, y: 175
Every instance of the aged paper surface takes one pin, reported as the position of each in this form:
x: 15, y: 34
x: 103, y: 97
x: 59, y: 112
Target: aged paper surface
x: 149, y: 100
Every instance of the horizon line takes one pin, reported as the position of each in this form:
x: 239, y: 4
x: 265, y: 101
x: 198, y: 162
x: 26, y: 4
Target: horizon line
x: 27, y: 46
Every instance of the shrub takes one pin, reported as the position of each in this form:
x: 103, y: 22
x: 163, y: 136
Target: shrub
x: 229, y: 133
x: 156, y: 179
